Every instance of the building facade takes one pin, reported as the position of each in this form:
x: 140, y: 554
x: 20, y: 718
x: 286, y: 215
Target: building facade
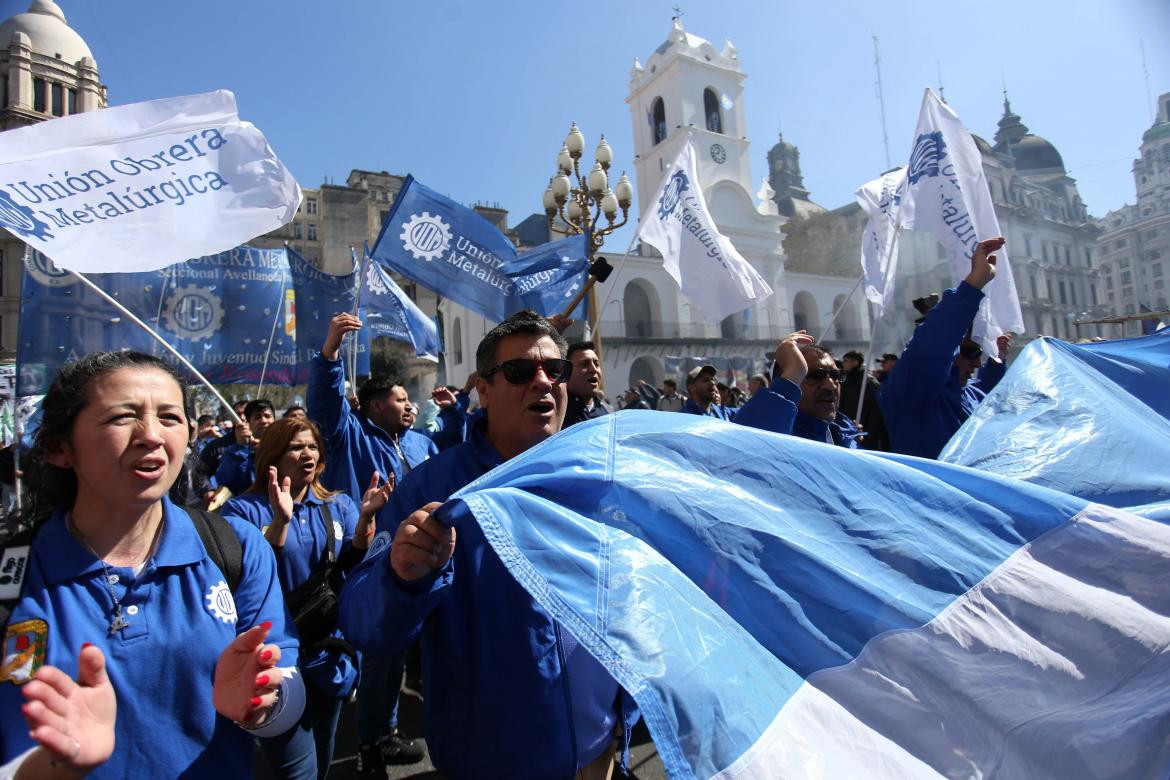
x: 1134, y: 246
x: 46, y: 71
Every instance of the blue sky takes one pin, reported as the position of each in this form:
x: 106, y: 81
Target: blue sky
x: 474, y: 99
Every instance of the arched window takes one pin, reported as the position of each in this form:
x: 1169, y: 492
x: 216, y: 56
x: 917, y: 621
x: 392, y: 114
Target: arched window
x: 805, y: 315
x: 711, y: 112
x: 639, y: 311
x: 658, y: 121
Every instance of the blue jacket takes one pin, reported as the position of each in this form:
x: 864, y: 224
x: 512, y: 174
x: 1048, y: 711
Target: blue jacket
x: 237, y: 468
x: 355, y: 447
x: 181, y: 616
x: 771, y: 409
x: 840, y: 430
x: 714, y: 410
x: 922, y: 399
x: 499, y: 672
x: 303, y: 553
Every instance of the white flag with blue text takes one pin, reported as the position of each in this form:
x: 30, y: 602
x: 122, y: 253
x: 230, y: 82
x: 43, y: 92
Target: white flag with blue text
x: 142, y: 186
x: 879, y: 244
x: 708, y: 269
x: 947, y: 195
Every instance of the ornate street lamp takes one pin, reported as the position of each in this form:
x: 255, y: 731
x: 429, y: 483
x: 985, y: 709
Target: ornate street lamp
x: 575, y: 203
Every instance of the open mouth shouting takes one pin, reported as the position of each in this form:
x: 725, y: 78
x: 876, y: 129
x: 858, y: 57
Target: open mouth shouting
x: 545, y: 407
x: 151, y: 467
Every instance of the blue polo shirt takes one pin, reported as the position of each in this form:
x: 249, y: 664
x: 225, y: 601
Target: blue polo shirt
x: 181, y: 616
x: 304, y: 553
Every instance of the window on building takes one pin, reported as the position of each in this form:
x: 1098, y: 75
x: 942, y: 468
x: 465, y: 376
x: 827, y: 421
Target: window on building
x: 1063, y: 292
x: 1035, y: 289
x: 1048, y: 285
x: 1067, y: 255
x: 711, y: 111
x: 1127, y: 292
x: 72, y: 102
x: 1072, y: 292
x: 1028, y: 246
x: 658, y: 120
x: 311, y: 205
x: 297, y: 230
x: 1156, y: 269
x: 1123, y: 262
x: 1093, y: 293
x: 1127, y: 277
x: 1088, y: 258
x: 1159, y: 284
x: 312, y: 231
x: 58, y: 100
x: 40, y: 95
x: 1044, y: 250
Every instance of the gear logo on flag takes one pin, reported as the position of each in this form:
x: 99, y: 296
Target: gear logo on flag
x: 20, y: 220
x: 426, y: 237
x: 192, y: 312
x: 42, y: 269
x: 925, y: 160
x: 374, y: 282
x: 672, y: 194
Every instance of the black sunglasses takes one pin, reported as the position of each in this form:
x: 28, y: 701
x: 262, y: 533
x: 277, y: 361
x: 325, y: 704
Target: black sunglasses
x: 819, y: 374
x: 971, y: 353
x: 521, y: 370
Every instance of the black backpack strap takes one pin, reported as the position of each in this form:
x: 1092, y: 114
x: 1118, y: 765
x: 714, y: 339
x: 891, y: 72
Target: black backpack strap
x: 221, y: 543
x: 15, y: 561
x: 330, y: 539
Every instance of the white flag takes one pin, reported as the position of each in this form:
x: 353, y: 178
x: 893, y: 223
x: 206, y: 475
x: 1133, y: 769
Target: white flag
x: 947, y: 195
x: 880, y: 199
x: 142, y: 186
x: 708, y: 269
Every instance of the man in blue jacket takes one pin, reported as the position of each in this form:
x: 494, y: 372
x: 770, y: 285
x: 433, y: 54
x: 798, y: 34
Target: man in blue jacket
x: 237, y: 463
x: 377, y: 437
x: 811, y: 371
x: 509, y: 693
x: 928, y: 394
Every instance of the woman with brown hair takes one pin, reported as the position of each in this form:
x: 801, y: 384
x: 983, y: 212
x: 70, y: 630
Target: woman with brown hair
x: 317, y: 534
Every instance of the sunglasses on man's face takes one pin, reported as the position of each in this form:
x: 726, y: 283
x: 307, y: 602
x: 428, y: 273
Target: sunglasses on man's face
x: 521, y: 370
x: 819, y: 374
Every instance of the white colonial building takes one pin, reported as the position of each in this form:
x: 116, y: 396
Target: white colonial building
x: 1134, y: 247
x: 689, y: 89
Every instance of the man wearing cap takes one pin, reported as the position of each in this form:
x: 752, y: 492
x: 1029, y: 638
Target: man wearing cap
x: 887, y: 363
x: 928, y: 395
x: 853, y: 376
x: 704, y: 394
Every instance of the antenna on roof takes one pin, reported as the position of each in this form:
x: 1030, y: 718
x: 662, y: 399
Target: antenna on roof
x: 941, y: 94
x: 1146, y: 71
x: 877, y: 66
x: 678, y: 14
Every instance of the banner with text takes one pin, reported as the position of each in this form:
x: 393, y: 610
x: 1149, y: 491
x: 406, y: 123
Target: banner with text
x: 448, y: 248
x: 218, y: 311
x: 142, y: 186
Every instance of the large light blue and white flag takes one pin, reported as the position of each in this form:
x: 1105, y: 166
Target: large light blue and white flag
x: 947, y: 195
x: 142, y: 186
x: 1091, y: 420
x: 879, y: 199
x: 710, y: 271
x: 773, y: 620
x: 388, y: 311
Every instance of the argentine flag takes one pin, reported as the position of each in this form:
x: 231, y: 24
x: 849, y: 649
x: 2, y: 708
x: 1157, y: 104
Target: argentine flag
x: 784, y: 608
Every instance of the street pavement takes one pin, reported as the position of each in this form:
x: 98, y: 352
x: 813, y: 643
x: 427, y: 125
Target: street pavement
x: 644, y: 761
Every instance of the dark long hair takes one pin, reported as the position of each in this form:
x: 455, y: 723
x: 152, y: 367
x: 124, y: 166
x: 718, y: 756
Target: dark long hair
x: 52, y: 487
x: 274, y: 444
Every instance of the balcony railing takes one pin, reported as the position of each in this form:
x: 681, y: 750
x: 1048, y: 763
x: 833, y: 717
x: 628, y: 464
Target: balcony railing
x: 678, y: 331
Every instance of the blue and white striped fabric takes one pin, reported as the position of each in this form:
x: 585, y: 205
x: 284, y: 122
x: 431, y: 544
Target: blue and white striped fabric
x: 780, y: 607
x: 1092, y: 420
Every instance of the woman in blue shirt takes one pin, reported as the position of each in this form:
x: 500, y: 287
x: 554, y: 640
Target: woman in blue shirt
x: 317, y: 535
x: 115, y: 564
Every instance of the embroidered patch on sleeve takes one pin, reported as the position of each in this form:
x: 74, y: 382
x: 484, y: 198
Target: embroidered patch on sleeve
x: 24, y: 650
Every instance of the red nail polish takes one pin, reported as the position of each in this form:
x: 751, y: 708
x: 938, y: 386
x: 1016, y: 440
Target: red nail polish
x: 266, y: 625
x: 255, y: 702
x: 266, y: 655
x: 86, y: 644
x: 261, y: 681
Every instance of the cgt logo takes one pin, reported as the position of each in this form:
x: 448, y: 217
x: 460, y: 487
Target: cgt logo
x: 672, y: 194
x: 20, y: 220
x: 926, y: 159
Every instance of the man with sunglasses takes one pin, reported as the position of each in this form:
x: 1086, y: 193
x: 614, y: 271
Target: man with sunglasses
x: 928, y: 394
x: 509, y: 693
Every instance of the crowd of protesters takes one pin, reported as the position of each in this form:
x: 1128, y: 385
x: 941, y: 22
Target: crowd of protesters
x: 331, y: 510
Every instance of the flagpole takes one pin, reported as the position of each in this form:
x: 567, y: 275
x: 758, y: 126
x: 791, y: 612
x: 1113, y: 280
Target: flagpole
x: 272, y: 333
x: 841, y: 308
x: 873, y: 330
x: 194, y: 371
x: 612, y: 285
x: 354, y: 343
